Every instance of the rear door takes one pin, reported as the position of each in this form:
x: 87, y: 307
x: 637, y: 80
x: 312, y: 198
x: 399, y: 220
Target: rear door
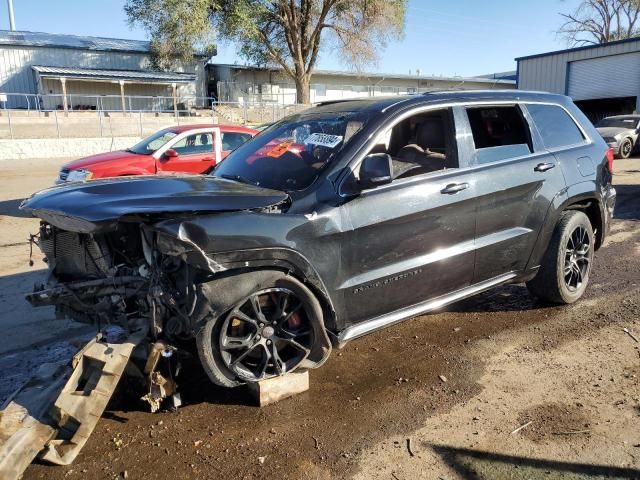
x: 516, y: 180
x: 197, y: 153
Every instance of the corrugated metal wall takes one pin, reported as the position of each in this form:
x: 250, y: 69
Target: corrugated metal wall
x: 16, y: 75
x: 605, y: 77
x: 549, y: 73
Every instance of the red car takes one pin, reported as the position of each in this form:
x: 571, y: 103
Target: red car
x: 186, y: 148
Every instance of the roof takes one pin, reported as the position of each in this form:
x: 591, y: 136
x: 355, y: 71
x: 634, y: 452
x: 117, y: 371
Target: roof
x: 149, y: 76
x: 223, y: 128
x: 62, y: 40
x: 378, y: 104
x: 40, y: 39
x: 577, y: 49
x: 339, y: 73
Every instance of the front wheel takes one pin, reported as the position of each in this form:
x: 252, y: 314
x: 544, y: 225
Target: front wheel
x: 626, y: 147
x: 566, y: 265
x: 271, y: 332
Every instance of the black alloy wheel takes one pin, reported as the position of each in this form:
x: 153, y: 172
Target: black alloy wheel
x: 265, y: 335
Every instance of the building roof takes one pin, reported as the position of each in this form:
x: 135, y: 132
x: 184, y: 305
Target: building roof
x: 339, y: 73
x: 59, y: 40
x: 147, y: 76
x: 577, y: 49
x: 62, y: 40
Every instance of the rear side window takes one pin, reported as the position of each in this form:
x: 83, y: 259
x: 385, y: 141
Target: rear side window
x: 556, y: 127
x: 232, y: 140
x: 499, y: 133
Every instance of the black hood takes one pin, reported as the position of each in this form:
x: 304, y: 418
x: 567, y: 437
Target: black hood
x: 94, y: 205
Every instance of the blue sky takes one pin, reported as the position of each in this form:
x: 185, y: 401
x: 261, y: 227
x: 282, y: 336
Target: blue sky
x: 463, y: 37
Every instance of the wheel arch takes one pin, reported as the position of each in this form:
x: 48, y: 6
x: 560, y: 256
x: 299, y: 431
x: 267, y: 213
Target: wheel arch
x: 587, y: 201
x: 241, y: 265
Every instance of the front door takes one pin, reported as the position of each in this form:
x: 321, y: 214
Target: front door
x: 411, y: 240
x: 196, y: 153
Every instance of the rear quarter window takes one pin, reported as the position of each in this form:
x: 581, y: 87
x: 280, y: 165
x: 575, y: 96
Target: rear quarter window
x: 555, y: 126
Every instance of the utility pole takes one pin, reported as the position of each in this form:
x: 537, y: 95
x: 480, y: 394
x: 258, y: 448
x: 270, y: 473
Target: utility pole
x: 12, y: 20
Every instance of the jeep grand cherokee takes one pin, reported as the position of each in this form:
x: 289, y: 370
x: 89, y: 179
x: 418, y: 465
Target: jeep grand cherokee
x: 333, y: 223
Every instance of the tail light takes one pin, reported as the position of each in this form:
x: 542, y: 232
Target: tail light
x: 610, y: 155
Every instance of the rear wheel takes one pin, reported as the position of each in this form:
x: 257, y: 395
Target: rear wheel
x: 626, y: 147
x: 269, y: 333
x: 566, y: 265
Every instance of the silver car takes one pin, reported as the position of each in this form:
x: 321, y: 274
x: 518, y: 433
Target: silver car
x: 621, y: 133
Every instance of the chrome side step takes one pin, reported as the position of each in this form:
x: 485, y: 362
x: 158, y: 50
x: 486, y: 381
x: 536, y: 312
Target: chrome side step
x: 392, y: 318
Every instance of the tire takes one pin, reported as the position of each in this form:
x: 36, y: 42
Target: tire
x: 213, y: 338
x: 564, y: 271
x: 626, y: 148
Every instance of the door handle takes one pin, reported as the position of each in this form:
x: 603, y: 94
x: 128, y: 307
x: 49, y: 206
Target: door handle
x: 209, y: 159
x: 454, y: 188
x: 543, y: 167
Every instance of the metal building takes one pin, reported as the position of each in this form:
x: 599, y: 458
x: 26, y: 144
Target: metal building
x: 602, y: 79
x: 249, y: 84
x: 77, y: 72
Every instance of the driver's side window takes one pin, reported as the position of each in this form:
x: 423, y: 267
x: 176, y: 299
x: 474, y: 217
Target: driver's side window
x: 194, y: 144
x: 421, y: 144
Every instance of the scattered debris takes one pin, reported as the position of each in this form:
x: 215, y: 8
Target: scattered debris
x: 409, y: 449
x: 395, y: 476
x: 628, y: 332
x: 443, y: 378
x: 161, y: 387
x: 261, y: 460
x: 197, y: 443
x: 317, y: 443
x: 457, y: 329
x: 572, y: 432
x: 521, y: 427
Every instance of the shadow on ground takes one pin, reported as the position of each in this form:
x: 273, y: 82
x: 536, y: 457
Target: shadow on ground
x: 481, y: 465
x: 11, y: 208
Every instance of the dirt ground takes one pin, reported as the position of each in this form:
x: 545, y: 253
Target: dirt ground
x: 438, y: 397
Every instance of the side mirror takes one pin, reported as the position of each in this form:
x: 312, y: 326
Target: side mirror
x: 171, y: 153
x: 376, y: 169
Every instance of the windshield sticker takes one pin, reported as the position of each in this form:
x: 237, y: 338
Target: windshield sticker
x: 170, y: 134
x: 323, y: 140
x: 279, y: 150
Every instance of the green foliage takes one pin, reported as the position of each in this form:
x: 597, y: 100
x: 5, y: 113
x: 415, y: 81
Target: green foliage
x: 179, y: 29
x: 287, y: 33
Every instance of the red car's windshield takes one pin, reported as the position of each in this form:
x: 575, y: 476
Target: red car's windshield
x: 290, y: 154
x: 153, y: 143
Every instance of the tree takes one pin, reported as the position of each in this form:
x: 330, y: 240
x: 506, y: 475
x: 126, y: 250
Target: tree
x: 600, y: 21
x: 285, y: 33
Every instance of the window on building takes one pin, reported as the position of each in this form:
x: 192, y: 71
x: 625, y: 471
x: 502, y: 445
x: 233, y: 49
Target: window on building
x: 194, y: 144
x: 320, y: 89
x: 556, y: 127
x: 499, y: 133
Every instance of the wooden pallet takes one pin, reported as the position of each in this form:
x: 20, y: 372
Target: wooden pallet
x: 56, y: 412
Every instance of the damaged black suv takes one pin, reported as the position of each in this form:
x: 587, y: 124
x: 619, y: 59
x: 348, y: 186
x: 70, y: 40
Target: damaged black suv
x: 333, y: 223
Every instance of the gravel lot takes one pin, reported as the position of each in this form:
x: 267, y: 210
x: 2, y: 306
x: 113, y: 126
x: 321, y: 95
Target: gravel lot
x: 378, y: 408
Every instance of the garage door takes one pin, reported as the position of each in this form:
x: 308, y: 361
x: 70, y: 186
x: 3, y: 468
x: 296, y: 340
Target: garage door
x: 605, y: 77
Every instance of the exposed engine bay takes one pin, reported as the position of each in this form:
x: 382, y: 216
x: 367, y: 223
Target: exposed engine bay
x: 118, y: 277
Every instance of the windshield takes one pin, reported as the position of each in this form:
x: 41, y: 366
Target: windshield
x: 618, y: 122
x: 153, y: 143
x: 290, y: 154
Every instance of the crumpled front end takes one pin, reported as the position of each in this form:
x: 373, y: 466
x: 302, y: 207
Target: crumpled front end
x: 116, y: 277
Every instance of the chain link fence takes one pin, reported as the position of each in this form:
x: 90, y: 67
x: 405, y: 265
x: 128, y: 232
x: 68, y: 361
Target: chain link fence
x: 87, y: 116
